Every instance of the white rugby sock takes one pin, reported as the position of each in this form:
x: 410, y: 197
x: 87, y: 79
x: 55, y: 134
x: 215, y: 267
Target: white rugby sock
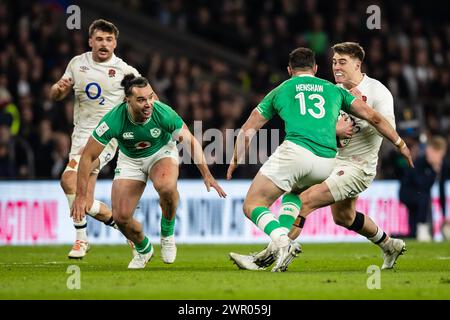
x: 79, y: 226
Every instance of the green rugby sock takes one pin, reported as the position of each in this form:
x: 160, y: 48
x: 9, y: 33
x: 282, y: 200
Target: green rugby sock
x: 143, y: 247
x: 167, y: 226
x: 290, y: 209
x: 267, y: 222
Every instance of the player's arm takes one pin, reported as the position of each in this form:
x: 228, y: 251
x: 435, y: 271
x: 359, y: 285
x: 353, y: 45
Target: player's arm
x: 91, y: 152
x: 61, y: 89
x: 255, y: 122
x: 195, y: 151
x: 360, y: 109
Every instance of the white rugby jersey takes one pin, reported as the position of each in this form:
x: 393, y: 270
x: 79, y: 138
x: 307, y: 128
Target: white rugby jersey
x: 97, y: 87
x: 362, y: 149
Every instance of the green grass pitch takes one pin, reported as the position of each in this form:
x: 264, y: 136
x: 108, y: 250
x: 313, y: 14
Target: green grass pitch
x: 322, y: 271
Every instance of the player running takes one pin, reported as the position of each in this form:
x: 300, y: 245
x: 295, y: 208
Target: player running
x: 144, y: 129
x: 355, y: 168
x: 95, y: 78
x: 309, y: 106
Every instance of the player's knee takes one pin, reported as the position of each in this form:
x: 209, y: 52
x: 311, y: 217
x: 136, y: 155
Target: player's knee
x: 248, y: 208
x: 166, y: 190
x: 121, y: 220
x: 68, y: 183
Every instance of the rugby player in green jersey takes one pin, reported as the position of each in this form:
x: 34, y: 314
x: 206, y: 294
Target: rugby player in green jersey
x: 145, y: 130
x: 309, y: 106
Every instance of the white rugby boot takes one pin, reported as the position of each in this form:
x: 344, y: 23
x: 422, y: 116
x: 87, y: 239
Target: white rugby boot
x: 266, y: 257
x: 245, y: 262
x: 285, y: 256
x: 394, y: 248
x: 168, y: 249
x: 140, y: 260
x: 79, y: 249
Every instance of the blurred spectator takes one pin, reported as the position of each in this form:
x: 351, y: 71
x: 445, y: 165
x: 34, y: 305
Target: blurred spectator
x: 60, y: 154
x: 416, y: 184
x: 15, y: 157
x: 8, y: 107
x: 7, y: 160
x: 43, y: 146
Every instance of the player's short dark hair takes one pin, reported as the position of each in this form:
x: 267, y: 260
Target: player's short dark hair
x: 302, y: 58
x: 130, y: 81
x: 353, y: 49
x: 103, y: 25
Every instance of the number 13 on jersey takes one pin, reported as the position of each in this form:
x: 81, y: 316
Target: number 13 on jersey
x: 318, y: 104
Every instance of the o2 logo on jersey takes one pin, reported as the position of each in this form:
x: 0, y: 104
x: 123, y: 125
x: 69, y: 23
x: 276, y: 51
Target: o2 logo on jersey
x: 155, y: 132
x: 142, y: 145
x: 94, y: 91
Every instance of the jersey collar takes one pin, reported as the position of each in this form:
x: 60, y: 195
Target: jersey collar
x: 134, y: 122
x: 364, y: 79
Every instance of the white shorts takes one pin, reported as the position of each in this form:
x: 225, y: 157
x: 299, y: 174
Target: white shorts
x: 139, y: 168
x: 79, y: 140
x: 347, y: 181
x: 292, y: 167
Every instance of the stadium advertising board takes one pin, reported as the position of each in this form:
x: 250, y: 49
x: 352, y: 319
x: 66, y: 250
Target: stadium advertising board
x: 37, y: 213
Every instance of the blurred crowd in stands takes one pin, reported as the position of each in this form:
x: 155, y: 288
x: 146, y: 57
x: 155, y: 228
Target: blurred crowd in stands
x: 410, y: 54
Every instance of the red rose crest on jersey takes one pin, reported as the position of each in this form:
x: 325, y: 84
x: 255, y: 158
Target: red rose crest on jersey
x: 142, y: 145
x: 364, y: 98
x: 111, y: 73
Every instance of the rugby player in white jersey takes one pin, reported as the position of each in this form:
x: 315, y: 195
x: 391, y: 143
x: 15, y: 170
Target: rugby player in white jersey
x: 95, y: 77
x: 355, y: 168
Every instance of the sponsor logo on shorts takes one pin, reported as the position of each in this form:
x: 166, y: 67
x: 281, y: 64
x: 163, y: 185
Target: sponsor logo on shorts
x: 155, y: 132
x: 142, y: 145
x: 352, y: 194
x: 117, y: 171
x: 128, y: 135
x: 101, y: 129
x: 108, y: 157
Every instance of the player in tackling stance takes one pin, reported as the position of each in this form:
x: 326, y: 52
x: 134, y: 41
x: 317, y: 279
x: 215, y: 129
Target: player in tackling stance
x: 310, y: 107
x: 354, y: 171
x: 144, y: 129
x: 95, y: 78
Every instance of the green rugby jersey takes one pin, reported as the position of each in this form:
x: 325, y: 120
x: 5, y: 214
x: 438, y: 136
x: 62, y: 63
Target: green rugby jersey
x: 309, y: 107
x: 138, y: 140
